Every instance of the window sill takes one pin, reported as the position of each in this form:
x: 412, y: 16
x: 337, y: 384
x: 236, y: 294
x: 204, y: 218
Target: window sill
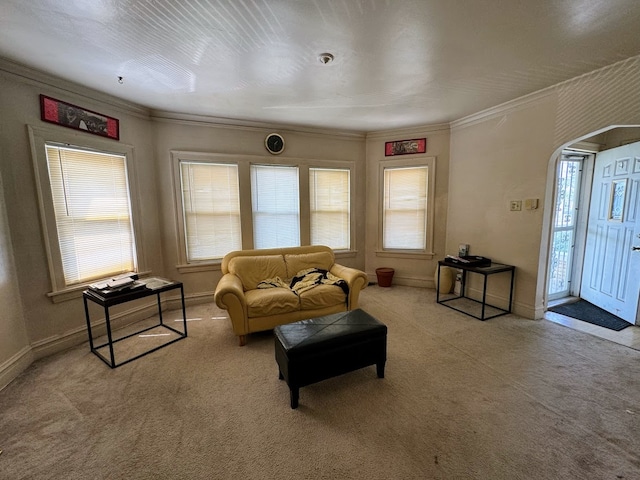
x: 199, y: 267
x: 405, y: 254
x: 75, y: 291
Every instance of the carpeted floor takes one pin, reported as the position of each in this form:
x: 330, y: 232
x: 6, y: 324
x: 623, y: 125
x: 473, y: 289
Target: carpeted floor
x: 508, y: 398
x: 588, y: 312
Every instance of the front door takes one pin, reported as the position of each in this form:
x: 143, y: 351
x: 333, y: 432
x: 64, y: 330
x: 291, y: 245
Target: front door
x: 611, y: 273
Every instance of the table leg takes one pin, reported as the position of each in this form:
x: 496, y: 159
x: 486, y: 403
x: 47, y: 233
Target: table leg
x: 109, y: 337
x: 159, y: 308
x: 484, y: 297
x: 184, y: 310
x: 86, y: 316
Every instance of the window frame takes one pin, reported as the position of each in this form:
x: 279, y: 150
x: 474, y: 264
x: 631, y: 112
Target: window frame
x: 427, y: 251
x: 184, y: 222
x: 39, y: 137
x: 349, y: 196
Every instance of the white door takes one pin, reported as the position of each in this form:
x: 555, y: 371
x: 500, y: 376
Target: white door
x: 611, y: 273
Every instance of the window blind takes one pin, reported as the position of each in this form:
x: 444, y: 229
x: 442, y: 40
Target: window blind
x: 211, y: 206
x: 329, y: 194
x: 276, y: 206
x: 405, y: 208
x: 92, y: 212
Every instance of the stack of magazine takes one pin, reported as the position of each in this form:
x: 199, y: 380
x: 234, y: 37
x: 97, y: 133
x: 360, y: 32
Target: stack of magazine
x: 116, y: 285
x: 125, y: 283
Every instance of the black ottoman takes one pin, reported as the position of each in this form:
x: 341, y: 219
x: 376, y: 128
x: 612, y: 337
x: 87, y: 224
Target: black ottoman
x: 313, y: 350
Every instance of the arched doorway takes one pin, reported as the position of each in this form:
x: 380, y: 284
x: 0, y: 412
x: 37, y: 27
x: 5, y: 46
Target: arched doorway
x: 571, y: 178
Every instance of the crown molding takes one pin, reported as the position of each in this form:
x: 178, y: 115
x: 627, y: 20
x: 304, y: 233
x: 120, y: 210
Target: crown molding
x: 40, y: 79
x: 249, y: 125
x: 410, y: 131
x: 507, y: 107
x: 524, y: 101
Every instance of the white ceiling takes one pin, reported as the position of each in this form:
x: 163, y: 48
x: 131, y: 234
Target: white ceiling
x: 398, y: 63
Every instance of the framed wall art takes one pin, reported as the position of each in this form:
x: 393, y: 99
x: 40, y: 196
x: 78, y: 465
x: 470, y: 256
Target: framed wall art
x: 405, y: 147
x: 72, y: 116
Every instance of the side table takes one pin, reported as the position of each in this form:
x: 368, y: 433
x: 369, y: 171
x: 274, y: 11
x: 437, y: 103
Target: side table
x: 109, y: 301
x: 492, y: 269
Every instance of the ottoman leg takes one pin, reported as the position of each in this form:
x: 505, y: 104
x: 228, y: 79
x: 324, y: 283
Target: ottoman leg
x: 380, y: 369
x: 294, y: 394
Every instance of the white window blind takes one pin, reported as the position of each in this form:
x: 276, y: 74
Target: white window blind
x: 276, y: 206
x: 405, y: 208
x: 211, y: 205
x: 92, y: 212
x: 329, y: 194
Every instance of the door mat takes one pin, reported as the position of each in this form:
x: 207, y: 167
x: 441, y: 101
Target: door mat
x: 587, y: 312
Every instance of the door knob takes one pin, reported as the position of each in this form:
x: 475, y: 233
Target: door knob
x: 633, y: 249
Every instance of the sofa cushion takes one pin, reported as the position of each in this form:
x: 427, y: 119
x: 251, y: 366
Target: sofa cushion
x: 253, y: 270
x: 321, y: 296
x: 271, y: 301
x: 297, y: 262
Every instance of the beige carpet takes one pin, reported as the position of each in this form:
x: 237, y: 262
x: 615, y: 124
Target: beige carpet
x: 508, y: 398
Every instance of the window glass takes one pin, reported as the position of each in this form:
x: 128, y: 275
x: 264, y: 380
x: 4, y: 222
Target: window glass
x: 330, y: 207
x: 276, y: 206
x: 405, y: 208
x: 90, y: 194
x: 211, y: 209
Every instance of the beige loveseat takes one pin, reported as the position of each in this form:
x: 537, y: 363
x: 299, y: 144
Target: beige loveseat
x: 261, y: 289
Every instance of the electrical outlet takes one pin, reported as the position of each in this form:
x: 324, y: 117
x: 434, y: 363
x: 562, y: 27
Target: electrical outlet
x: 515, y: 205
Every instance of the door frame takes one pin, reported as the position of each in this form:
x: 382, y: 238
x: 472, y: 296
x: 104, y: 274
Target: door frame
x: 580, y: 229
x: 583, y: 145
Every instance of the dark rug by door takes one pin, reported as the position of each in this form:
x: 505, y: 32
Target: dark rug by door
x: 587, y: 312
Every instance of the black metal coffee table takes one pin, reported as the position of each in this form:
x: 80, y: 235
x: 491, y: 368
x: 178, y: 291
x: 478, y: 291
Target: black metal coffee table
x: 312, y: 350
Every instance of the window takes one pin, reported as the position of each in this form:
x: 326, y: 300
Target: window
x: 407, y: 211
x: 211, y: 209
x: 88, y: 208
x: 90, y: 196
x: 276, y: 206
x: 230, y: 202
x: 329, y: 197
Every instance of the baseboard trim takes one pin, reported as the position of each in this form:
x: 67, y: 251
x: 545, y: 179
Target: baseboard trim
x: 14, y: 366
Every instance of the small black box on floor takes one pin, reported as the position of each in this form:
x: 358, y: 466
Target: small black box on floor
x: 312, y: 350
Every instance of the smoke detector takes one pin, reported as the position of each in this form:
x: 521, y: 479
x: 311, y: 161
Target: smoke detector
x: 325, y: 58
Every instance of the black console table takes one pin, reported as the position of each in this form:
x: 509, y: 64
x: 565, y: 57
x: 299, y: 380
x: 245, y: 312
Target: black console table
x: 455, y: 301
x: 109, y: 301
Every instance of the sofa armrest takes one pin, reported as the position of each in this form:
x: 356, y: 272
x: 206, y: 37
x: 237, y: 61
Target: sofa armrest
x: 229, y: 296
x: 356, y: 279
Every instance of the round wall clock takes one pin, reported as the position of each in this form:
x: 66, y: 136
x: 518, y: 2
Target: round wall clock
x: 274, y: 143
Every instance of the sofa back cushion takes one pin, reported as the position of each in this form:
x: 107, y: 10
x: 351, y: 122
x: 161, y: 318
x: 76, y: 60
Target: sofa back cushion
x: 253, y: 270
x: 303, y: 261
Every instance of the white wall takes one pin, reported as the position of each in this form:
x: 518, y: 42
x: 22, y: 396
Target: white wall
x: 507, y: 154
x: 15, y: 350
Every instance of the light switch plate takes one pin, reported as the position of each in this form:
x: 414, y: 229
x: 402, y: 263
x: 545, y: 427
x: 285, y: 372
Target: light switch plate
x: 531, y: 203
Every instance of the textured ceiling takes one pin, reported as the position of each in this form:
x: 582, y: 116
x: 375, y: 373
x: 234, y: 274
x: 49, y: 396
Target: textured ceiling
x: 398, y: 63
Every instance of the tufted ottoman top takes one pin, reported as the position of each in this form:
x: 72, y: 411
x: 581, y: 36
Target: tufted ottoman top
x: 316, y: 334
